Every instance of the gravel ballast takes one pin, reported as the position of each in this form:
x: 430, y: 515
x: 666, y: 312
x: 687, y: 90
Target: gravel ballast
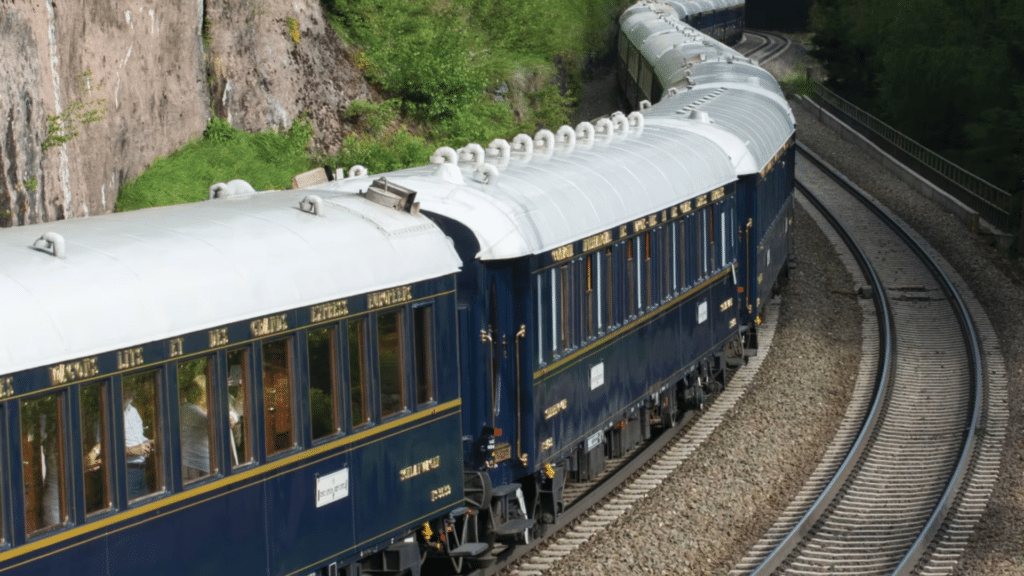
x: 705, y: 517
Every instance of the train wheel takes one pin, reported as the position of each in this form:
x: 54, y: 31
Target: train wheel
x: 477, y: 489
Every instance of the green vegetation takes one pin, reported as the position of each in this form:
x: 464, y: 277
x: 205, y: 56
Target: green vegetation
x: 452, y: 72
x: 268, y: 160
x: 61, y: 128
x: 949, y: 74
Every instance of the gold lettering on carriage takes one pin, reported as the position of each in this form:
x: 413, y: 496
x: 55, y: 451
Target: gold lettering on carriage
x: 639, y: 225
x: 702, y: 200
x: 268, y: 325
x: 219, y: 337
x: 725, y: 305
x: 328, y: 311
x: 439, y: 493
x: 177, y: 347
x: 597, y: 240
x: 129, y: 358
x: 6, y: 390
x: 419, y: 468
x: 389, y: 297
x: 717, y: 194
x: 552, y: 411
x: 685, y: 207
x: 73, y: 371
x: 562, y: 253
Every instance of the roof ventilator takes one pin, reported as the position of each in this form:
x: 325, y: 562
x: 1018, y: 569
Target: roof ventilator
x: 312, y: 204
x: 585, y: 132
x: 700, y: 116
x: 621, y: 124
x: 232, y: 188
x: 566, y: 135
x: 393, y: 196
x: 645, y: 105
x: 447, y: 160
x: 486, y: 174
x: 358, y: 171
x: 51, y: 243
x: 499, y: 147
x: 545, y: 140
x: 472, y: 152
x: 636, y: 122
x: 522, y: 143
x: 604, y: 128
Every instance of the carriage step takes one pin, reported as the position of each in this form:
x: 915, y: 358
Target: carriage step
x: 469, y: 549
x: 517, y: 526
x: 504, y: 490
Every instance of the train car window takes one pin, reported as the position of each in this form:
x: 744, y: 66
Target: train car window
x: 711, y: 239
x: 539, y: 302
x: 563, y: 273
x: 675, y: 256
x: 358, y: 395
x: 195, y: 422
x: 632, y: 282
x: 666, y: 263
x: 590, y: 307
x: 634, y: 61
x: 623, y: 45
x: 554, y: 310
x: 277, y: 395
x: 239, y: 402
x: 43, y: 462
x: 140, y: 399
x: 92, y: 402
x: 609, y: 290
x: 323, y: 381
x: 683, y: 244
x: 722, y: 240
x: 705, y: 241
x: 390, y: 358
x: 648, y: 273
x: 423, y: 348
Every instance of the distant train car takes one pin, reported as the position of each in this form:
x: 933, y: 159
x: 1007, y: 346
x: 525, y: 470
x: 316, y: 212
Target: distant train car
x: 233, y: 386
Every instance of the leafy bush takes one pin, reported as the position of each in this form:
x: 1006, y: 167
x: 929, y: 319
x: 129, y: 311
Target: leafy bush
x: 267, y: 160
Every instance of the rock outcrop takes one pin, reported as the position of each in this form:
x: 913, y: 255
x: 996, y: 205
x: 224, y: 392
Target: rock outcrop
x: 92, y: 91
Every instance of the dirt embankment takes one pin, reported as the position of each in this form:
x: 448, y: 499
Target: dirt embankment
x: 92, y: 91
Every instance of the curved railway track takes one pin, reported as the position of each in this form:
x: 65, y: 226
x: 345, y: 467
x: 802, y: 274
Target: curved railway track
x: 765, y: 45
x: 912, y: 466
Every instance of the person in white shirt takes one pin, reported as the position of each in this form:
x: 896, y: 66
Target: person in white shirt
x: 137, y: 448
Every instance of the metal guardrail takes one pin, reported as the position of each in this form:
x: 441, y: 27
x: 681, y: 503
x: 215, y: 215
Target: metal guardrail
x: 990, y: 201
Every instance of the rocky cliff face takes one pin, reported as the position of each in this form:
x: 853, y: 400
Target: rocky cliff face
x: 91, y: 91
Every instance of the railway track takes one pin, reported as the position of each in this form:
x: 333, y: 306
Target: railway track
x: 762, y: 46
x: 911, y: 468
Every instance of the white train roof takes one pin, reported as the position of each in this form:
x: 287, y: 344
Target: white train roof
x: 540, y: 201
x: 140, y: 276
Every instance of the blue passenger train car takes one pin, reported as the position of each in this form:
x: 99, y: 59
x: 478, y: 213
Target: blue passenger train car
x: 391, y: 374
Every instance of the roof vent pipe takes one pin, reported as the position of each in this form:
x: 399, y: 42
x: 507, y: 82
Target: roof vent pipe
x: 486, y: 173
x: 445, y: 155
x: 499, y: 147
x: 700, y: 116
x: 522, y: 143
x: 585, y: 132
x: 52, y: 243
x: 636, y: 122
x: 604, y: 127
x: 312, y: 204
x: 358, y: 171
x: 621, y: 124
x: 544, y: 139
x: 472, y: 152
x: 447, y: 170
x: 566, y: 135
x: 644, y: 105
x: 232, y: 188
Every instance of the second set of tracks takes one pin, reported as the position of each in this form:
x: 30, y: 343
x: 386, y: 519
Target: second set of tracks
x: 910, y: 470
